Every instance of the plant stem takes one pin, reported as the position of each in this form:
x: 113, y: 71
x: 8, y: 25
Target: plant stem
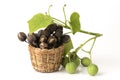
x: 64, y: 14
x: 82, y: 31
x: 26, y: 41
x: 77, y: 49
x: 92, y: 48
x: 69, y: 57
x: 49, y: 10
x: 58, y: 20
x: 91, y: 33
x: 64, y: 25
x: 85, y: 51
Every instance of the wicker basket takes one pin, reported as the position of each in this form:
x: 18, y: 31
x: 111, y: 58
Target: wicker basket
x: 46, y: 60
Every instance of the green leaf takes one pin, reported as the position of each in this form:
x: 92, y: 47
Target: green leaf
x: 68, y: 46
x: 39, y: 21
x: 75, y: 22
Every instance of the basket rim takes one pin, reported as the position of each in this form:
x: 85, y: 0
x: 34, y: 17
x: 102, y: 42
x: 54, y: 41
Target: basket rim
x: 46, y: 49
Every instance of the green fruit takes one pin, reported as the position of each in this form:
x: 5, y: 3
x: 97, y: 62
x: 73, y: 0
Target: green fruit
x: 92, y: 69
x: 70, y: 67
x: 77, y: 61
x: 85, y: 61
x: 65, y: 61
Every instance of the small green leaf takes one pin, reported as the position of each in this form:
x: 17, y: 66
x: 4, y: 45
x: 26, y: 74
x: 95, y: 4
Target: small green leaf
x: 39, y: 21
x: 68, y: 46
x: 74, y: 22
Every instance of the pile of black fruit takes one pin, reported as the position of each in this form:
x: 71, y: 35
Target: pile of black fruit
x: 51, y: 37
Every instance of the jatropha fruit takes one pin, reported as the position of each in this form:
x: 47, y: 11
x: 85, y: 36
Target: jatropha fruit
x: 22, y: 36
x: 92, y: 69
x: 85, y: 61
x: 51, y: 37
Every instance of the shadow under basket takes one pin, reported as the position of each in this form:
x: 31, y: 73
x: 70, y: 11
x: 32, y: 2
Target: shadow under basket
x: 46, y: 60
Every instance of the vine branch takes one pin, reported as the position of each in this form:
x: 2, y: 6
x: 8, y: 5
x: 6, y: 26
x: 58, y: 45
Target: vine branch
x: 82, y: 31
x: 64, y: 14
x: 49, y: 10
x: 81, y: 45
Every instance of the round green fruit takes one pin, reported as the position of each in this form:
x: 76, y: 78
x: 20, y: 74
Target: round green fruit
x: 70, y: 67
x: 77, y: 61
x: 85, y: 61
x: 92, y: 69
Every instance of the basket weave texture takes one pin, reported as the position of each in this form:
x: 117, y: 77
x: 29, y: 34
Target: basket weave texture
x: 46, y: 60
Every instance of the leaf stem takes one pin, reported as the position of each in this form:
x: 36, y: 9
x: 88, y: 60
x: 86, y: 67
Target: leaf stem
x: 85, y: 51
x: 91, y: 33
x: 58, y: 20
x: 82, y: 31
x: 92, y: 48
x: 49, y: 10
x: 81, y: 45
x: 64, y: 25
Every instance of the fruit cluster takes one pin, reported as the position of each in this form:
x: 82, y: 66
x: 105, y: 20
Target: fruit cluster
x: 72, y: 64
x: 51, y: 37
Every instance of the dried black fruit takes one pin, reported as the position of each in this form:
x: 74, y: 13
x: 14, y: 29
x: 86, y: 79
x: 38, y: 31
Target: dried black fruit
x: 31, y: 38
x: 40, y: 32
x: 22, y: 36
x: 60, y: 27
x: 43, y: 45
x: 65, y: 38
x: 58, y: 34
x: 36, y: 35
x: 43, y: 38
x: 34, y: 44
x: 57, y: 44
x: 52, y: 40
x: 52, y: 27
x: 46, y: 32
x: 50, y: 37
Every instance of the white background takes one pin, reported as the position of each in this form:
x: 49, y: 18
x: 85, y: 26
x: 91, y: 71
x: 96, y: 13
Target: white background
x: 101, y: 16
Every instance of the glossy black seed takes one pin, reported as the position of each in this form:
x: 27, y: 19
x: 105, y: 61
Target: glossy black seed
x: 22, y: 36
x: 65, y: 38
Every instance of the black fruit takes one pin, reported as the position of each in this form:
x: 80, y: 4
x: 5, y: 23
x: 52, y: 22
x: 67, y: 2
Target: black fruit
x: 43, y: 45
x: 31, y: 38
x: 65, y: 38
x: 60, y: 27
x: 40, y: 32
x: 52, y: 27
x: 22, y: 36
x: 50, y: 37
x: 52, y: 40
x: 46, y: 32
x: 43, y: 38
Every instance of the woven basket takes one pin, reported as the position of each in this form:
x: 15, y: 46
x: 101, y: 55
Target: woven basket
x: 46, y: 60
